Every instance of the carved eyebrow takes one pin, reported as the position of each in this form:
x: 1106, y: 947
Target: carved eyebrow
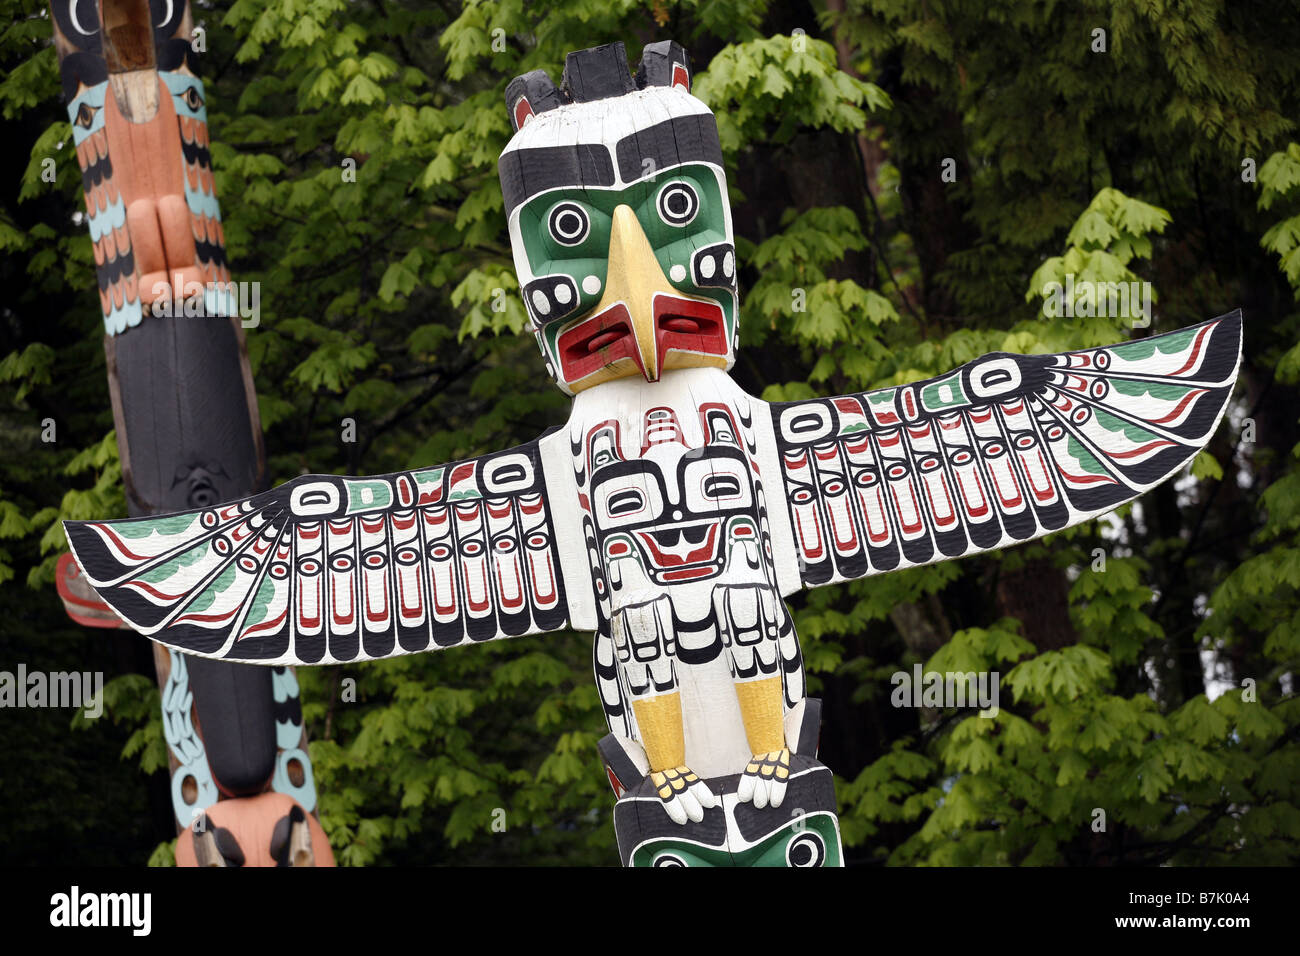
x: 682, y: 139
x: 527, y: 172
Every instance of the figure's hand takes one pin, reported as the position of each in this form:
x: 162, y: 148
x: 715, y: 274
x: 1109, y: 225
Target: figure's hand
x: 765, y: 778
x: 685, y: 795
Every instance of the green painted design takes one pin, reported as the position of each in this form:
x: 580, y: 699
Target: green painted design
x: 666, y: 852
x: 1145, y: 348
x: 855, y: 427
x: 182, y: 560
x: 463, y: 495
x: 209, y: 595
x: 172, y: 524
x: 770, y: 851
x: 1154, y: 389
x: 883, y: 397
x: 1087, y: 461
x: 366, y: 496
x: 932, y: 396
x: 261, y: 603
x: 1134, y: 433
x: 428, y: 476
x: 673, y: 245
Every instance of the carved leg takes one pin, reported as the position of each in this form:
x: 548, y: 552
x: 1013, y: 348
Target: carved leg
x: 751, y: 623
x: 645, y: 642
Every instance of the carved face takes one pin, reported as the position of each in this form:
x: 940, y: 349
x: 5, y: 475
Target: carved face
x: 621, y: 232
x: 139, y: 125
x: 669, y: 514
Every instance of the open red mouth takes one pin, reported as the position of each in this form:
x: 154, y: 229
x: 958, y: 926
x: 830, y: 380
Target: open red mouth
x: 682, y: 325
x: 679, y: 546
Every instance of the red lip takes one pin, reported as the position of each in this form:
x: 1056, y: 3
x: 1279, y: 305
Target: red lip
x: 684, y: 325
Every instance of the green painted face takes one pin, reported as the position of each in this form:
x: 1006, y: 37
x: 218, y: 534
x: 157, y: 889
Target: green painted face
x: 809, y: 841
x: 566, y: 235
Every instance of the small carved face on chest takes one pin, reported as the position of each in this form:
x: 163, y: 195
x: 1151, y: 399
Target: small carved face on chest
x: 670, y: 513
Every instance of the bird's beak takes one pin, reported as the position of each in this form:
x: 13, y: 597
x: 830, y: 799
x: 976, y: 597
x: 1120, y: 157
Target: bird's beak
x: 641, y: 323
x: 126, y: 31
x: 633, y: 278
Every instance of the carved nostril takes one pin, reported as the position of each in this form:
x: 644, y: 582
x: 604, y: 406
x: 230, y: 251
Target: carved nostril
x: 202, y: 496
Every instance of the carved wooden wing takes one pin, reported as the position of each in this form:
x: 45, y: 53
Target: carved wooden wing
x: 328, y: 569
x: 1002, y: 450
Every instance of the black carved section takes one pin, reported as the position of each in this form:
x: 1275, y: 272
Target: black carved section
x: 658, y: 61
x: 237, y: 722
x: 539, y: 93
x: 597, y: 73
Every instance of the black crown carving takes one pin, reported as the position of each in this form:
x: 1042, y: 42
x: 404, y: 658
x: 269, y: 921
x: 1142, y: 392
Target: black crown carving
x: 598, y: 73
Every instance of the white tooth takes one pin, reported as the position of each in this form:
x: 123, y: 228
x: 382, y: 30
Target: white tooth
x: 707, y: 266
x: 563, y: 294
x: 541, y: 303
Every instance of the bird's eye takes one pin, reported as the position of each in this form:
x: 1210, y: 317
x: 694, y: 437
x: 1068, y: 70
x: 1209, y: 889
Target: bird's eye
x: 84, y: 17
x: 569, y: 223
x: 678, y: 203
x: 86, y: 115
x: 192, y: 99
x: 167, y: 17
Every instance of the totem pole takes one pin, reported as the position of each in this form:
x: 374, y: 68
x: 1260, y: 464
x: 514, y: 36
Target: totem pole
x: 673, y: 513
x: 184, y: 409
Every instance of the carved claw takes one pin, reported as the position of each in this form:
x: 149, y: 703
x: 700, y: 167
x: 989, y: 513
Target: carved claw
x: 765, y: 778
x: 685, y: 796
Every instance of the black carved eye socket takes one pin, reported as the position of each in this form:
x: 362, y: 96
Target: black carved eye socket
x: 678, y: 203
x: 86, y: 115
x: 569, y: 223
x: 721, y: 486
x: 167, y: 16
x: 192, y: 99
x: 624, y: 503
x: 81, y: 15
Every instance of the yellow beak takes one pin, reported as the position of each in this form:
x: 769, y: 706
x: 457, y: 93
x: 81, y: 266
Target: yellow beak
x: 633, y: 278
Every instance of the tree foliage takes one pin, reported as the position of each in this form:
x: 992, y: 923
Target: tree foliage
x: 355, y: 147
